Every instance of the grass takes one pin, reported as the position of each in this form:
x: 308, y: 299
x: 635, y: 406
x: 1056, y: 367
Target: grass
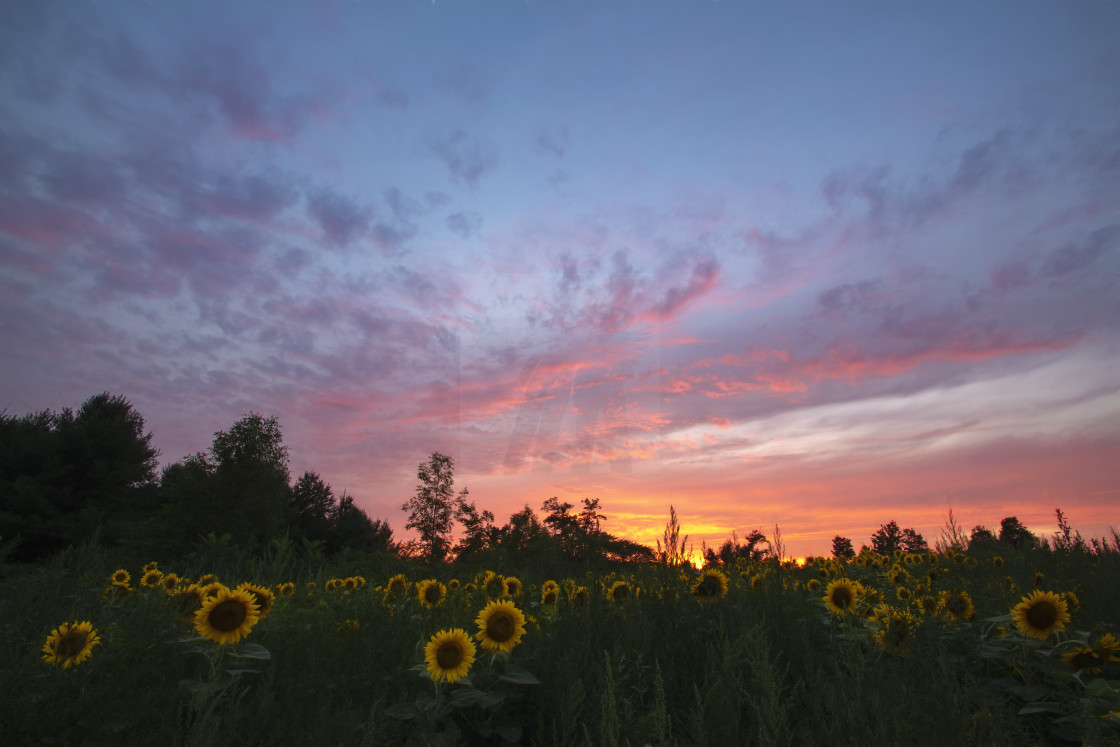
x: 765, y: 665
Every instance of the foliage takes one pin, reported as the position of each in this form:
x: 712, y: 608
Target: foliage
x: 842, y: 548
x: 430, y: 511
x: 675, y: 550
x: 1012, y: 532
x: 65, y: 477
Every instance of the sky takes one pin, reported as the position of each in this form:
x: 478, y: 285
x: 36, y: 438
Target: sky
x: 816, y: 264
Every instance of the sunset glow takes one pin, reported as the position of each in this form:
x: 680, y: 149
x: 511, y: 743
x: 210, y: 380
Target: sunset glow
x: 814, y: 265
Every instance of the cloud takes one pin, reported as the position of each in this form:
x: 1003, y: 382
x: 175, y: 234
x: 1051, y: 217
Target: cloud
x: 341, y: 219
x: 466, y: 84
x: 464, y: 224
x: 466, y: 157
x: 554, y: 141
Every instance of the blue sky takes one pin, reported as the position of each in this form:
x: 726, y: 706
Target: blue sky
x: 819, y: 264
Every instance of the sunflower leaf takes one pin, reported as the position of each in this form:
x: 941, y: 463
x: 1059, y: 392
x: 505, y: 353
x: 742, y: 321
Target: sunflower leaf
x: 1043, y: 706
x: 519, y: 676
x: 466, y: 696
x: 509, y: 731
x: 251, y: 651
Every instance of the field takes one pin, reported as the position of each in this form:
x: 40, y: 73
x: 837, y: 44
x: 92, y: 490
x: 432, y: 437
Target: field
x: 914, y: 649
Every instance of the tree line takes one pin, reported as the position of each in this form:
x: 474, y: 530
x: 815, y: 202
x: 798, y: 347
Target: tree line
x: 67, y: 477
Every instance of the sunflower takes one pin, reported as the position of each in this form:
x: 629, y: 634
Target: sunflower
x: 550, y: 584
x: 927, y: 604
x: 841, y: 595
x: 170, y: 583
x: 286, y: 589
x: 150, y: 566
x: 431, y: 593
x: 1072, y: 602
x: 262, y: 596
x: 813, y: 585
x: 494, y: 585
x: 1107, y: 647
x: 896, y: 629
x: 1083, y: 659
x: 151, y: 578
x: 330, y: 585
x: 898, y: 575
x: 211, y: 589
x: 116, y: 591
x: 227, y: 617
x: 206, y: 578
x: 500, y: 626
x: 957, y: 606
x: 512, y: 587
x: 70, y: 644
x: 121, y: 577
x: 619, y: 591
x: 581, y: 597
x: 470, y: 588
x: 453, y: 584
x: 712, y: 585
x: 397, y: 588
x: 903, y: 594
x: 549, y: 596
x: 1039, y: 576
x: 1040, y: 614
x: 449, y: 655
x: 997, y: 561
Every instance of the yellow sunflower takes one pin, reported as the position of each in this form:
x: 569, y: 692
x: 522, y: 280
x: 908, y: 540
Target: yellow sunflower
x: 150, y: 566
x: 206, y: 578
x: 1083, y: 659
x: 151, y: 578
x: 550, y: 584
x: 841, y: 595
x: 262, y: 596
x: 896, y: 629
x: 581, y: 597
x: 1040, y: 614
x: 511, y: 587
x: 494, y: 585
x: 549, y: 595
x: 957, y: 605
x: 1107, y: 647
x: 431, y: 593
x: 711, y: 585
x: 286, y: 589
x: 227, y: 617
x: 619, y: 592
x: 397, y: 587
x: 170, y: 583
x: 449, y: 655
x: 121, y: 577
x: 500, y: 626
x: 453, y: 584
x: 70, y: 644
x: 813, y: 585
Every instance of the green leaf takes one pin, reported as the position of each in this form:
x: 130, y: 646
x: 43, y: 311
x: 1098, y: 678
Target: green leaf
x: 1099, y: 688
x: 251, y: 651
x: 1043, y: 706
x: 403, y: 711
x: 509, y: 731
x: 462, y: 697
x: 519, y: 676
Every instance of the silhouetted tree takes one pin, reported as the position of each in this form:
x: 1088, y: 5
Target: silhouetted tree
x: 432, y: 508
x: 64, y: 476
x: 312, y: 503
x: 913, y: 541
x: 842, y: 548
x: 749, y: 549
x: 240, y: 489
x: 479, y: 532
x: 981, y: 536
x: 887, y: 538
x: 524, y: 532
x: 351, y: 527
x: 1012, y: 532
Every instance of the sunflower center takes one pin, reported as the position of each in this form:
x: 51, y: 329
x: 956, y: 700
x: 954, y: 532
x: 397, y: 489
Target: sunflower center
x: 842, y: 597
x: 500, y: 628
x: 227, y: 616
x: 621, y: 592
x: 1042, y: 615
x: 449, y: 655
x: 431, y: 594
x: 71, y: 644
x: 549, y: 597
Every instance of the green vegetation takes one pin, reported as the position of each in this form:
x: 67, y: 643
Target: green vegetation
x: 540, y: 631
